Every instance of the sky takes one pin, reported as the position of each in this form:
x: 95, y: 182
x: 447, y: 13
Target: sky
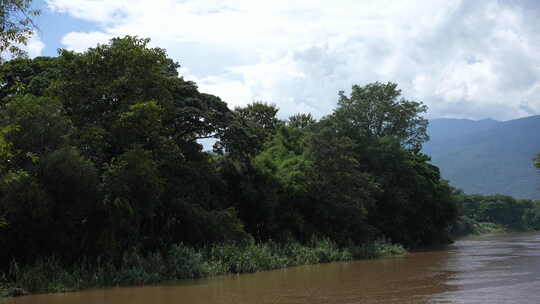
x: 463, y: 59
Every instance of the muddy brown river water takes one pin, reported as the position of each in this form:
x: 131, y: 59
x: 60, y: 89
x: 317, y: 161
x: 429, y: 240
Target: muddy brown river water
x: 486, y: 269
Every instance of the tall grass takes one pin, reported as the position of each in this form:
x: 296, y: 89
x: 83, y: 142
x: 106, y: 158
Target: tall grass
x: 184, y: 262
x: 377, y: 249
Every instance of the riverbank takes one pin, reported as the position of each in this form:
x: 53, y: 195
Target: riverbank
x: 465, y: 226
x: 183, y: 262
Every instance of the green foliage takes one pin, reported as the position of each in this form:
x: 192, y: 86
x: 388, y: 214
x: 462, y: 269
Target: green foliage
x: 253, y: 125
x: 184, y: 262
x: 376, y: 249
x: 381, y: 136
x: 301, y: 121
x: 491, y: 213
x: 132, y: 187
x: 285, y: 159
x: 376, y: 111
x: 531, y: 218
x: 23, y: 76
x: 28, y: 209
x: 490, y: 228
x: 125, y: 93
x: 37, y: 126
x: 16, y: 25
x: 262, y: 118
x: 251, y: 258
x: 140, y: 126
x: 464, y: 225
x: 416, y: 206
x: 340, y: 190
x: 104, y: 142
x: 6, y: 149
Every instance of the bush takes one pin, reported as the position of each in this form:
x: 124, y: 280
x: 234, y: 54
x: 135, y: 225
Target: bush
x: 377, y: 249
x: 185, y: 263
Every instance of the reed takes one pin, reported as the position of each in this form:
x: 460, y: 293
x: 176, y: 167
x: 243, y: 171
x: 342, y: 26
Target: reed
x: 184, y: 262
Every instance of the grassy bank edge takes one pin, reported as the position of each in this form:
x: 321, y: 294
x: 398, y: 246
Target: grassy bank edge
x: 466, y: 226
x: 182, y: 262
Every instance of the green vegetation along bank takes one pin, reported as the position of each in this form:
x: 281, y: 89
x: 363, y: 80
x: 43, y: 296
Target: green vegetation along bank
x: 495, y: 213
x: 183, y: 262
x: 100, y: 154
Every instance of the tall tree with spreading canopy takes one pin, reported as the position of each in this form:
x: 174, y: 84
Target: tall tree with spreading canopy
x: 377, y: 110
x: 108, y: 89
x: 387, y: 133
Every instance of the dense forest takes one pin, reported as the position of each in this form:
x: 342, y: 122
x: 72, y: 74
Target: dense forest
x: 99, y: 153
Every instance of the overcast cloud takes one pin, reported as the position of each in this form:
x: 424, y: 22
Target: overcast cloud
x: 466, y: 59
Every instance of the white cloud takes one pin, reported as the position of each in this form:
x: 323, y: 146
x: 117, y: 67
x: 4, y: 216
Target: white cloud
x: 34, y: 46
x: 80, y: 41
x: 105, y: 12
x: 463, y: 58
x: 233, y: 91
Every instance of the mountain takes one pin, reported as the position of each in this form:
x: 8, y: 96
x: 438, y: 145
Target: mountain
x: 487, y: 156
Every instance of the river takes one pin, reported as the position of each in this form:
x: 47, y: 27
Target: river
x: 485, y: 269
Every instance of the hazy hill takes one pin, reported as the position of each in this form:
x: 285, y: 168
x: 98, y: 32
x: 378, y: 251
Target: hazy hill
x: 487, y: 156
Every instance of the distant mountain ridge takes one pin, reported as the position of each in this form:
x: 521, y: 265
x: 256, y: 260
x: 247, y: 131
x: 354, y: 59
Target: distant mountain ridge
x: 487, y: 156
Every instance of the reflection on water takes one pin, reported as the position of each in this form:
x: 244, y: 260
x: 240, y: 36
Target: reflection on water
x: 487, y: 269
x: 494, y: 269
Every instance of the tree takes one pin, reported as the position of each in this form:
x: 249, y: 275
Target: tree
x: 6, y: 150
x: 16, y: 25
x: 105, y: 89
x: 301, y: 121
x: 516, y: 214
x: 415, y: 206
x: 531, y: 218
x: 5, y: 156
x: 341, y: 190
x: 27, y: 209
x: 71, y: 182
x: 27, y: 76
x: 284, y: 161
x: 383, y: 134
x: 39, y: 124
x: 132, y: 185
x: 252, y: 127
x: 376, y: 110
x: 141, y: 126
x: 537, y: 161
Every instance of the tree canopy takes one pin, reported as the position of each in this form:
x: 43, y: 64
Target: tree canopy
x: 377, y: 110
